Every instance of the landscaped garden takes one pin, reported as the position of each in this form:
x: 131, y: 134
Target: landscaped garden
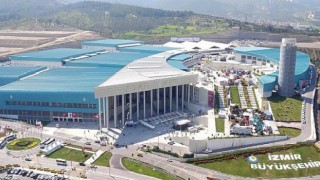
x: 235, y: 95
x: 286, y: 109
x: 104, y: 159
x: 219, y: 125
x: 70, y: 155
x: 147, y: 169
x: 23, y: 144
x: 273, y: 162
x: 290, y: 132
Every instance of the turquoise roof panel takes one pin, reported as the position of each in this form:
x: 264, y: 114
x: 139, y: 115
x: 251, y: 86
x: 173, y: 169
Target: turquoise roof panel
x: 180, y: 57
x: 178, y: 65
x: 110, y: 42
x: 63, y: 80
x: 107, y: 60
x: 10, y: 74
x: 150, y: 49
x: 52, y: 55
x: 273, y: 54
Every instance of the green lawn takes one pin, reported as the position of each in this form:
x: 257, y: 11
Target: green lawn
x: 220, y: 125
x: 70, y: 155
x: 286, y: 109
x: 104, y: 159
x: 290, y: 132
x: 23, y: 144
x: 241, y: 167
x: 235, y: 99
x: 145, y: 169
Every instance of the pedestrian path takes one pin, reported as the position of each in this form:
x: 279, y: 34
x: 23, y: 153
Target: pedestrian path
x: 251, y: 98
x: 243, y: 101
x: 221, y: 98
x: 94, y: 157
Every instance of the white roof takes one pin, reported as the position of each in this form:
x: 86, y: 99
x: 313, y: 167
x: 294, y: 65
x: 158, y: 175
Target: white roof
x: 201, y: 45
x: 144, y: 69
x: 182, y: 122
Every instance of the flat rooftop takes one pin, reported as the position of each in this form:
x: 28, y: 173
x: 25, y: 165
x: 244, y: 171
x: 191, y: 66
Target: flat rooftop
x: 63, y: 80
x: 53, y: 55
x: 111, y: 42
x: 150, y: 49
x: 11, y: 74
x: 107, y: 60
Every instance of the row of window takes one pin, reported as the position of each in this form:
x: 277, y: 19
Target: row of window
x: 54, y: 104
x: 45, y: 113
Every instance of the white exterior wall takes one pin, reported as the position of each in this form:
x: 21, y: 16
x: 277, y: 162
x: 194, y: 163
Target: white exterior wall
x: 217, y: 144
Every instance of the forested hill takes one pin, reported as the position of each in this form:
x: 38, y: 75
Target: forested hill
x: 111, y: 20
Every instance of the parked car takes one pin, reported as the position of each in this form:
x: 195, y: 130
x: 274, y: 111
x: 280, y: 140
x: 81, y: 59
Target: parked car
x: 82, y: 164
x: 27, y: 159
x: 88, y: 143
x: 97, y: 141
x: 171, y: 143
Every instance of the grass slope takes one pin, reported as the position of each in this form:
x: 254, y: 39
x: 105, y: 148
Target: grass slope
x: 286, y: 109
x: 241, y: 167
x: 290, y: 132
x: 144, y: 169
x: 69, y: 155
x: 104, y: 159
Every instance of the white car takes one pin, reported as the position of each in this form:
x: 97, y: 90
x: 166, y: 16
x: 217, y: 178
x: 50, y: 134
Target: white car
x: 208, y: 151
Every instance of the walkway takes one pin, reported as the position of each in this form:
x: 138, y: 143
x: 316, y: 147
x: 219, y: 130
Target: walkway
x: 94, y: 157
x: 243, y: 101
x: 252, y: 98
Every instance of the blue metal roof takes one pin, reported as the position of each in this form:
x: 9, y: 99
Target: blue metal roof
x: 107, y: 60
x: 273, y: 55
x: 150, y: 49
x: 56, y: 55
x: 178, y: 65
x: 63, y: 80
x: 11, y: 74
x: 111, y: 42
x: 180, y: 57
x: 268, y: 81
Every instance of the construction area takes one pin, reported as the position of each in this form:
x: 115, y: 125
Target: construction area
x: 18, y: 41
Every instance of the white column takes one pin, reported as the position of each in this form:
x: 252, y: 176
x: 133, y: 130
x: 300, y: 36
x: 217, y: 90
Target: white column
x: 115, y: 110
x: 138, y: 99
x: 130, y: 104
x: 158, y: 99
x: 177, y: 98
x: 193, y: 92
x: 182, y: 99
x: 123, y: 104
x: 170, y: 101
x: 144, y: 104
x: 164, y: 100
x: 104, y: 111
x: 151, y: 100
x: 107, y: 109
x: 99, y: 101
x: 189, y: 89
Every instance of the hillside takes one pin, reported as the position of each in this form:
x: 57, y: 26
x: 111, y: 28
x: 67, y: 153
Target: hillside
x: 281, y: 10
x: 111, y: 20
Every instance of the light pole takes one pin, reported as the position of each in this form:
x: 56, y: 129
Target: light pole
x: 158, y: 140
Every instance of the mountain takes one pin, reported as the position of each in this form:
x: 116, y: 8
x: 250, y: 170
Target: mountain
x: 281, y: 10
x: 111, y: 20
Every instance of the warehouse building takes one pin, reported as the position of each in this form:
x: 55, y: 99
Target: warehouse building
x: 270, y: 58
